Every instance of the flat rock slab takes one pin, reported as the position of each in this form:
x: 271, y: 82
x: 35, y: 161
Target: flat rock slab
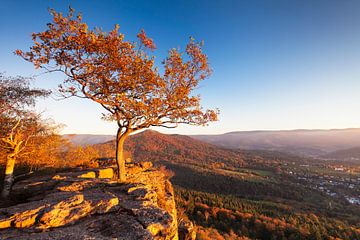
x: 90, y: 205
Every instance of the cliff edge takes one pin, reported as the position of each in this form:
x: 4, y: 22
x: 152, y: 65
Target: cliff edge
x: 90, y: 205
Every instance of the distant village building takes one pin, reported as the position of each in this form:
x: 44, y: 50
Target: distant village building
x: 353, y: 200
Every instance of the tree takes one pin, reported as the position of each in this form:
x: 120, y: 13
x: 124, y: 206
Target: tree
x: 46, y: 150
x: 122, y: 76
x: 17, y: 123
x: 81, y: 156
x: 16, y: 95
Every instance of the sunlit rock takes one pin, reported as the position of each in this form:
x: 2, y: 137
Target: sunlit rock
x: 26, y: 218
x: 106, y: 173
x: 69, y: 206
x: 88, y: 175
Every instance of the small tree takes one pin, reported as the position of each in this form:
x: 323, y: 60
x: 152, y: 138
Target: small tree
x: 17, y: 123
x: 16, y: 142
x: 122, y: 77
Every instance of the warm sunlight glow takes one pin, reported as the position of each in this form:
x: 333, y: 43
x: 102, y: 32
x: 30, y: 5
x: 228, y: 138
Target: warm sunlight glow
x: 173, y: 120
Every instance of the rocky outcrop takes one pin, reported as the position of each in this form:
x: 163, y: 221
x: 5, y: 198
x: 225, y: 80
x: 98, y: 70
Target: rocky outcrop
x: 91, y: 205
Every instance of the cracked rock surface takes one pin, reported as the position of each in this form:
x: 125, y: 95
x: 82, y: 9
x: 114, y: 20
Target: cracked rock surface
x: 90, y: 205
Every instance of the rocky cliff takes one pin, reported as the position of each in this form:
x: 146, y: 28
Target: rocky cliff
x: 90, y: 205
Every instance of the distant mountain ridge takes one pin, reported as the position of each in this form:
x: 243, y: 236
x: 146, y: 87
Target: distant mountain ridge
x: 304, y: 142
x: 88, y: 139
x: 154, y: 146
x: 349, y: 154
x: 296, y: 130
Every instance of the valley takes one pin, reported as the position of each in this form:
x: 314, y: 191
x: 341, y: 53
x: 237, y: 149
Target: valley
x: 254, y: 193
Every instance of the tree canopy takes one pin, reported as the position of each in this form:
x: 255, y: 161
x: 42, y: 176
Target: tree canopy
x: 122, y: 75
x: 16, y: 94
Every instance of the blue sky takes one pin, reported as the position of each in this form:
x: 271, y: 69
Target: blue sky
x: 277, y: 64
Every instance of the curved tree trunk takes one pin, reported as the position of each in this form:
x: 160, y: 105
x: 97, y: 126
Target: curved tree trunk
x: 9, y: 177
x: 120, y: 160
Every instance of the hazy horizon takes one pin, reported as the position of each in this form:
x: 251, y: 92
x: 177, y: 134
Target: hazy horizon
x: 236, y: 131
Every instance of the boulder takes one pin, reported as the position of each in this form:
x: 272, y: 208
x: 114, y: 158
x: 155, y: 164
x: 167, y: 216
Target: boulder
x: 106, y: 173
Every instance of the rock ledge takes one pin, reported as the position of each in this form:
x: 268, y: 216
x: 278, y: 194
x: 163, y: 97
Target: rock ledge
x: 90, y: 205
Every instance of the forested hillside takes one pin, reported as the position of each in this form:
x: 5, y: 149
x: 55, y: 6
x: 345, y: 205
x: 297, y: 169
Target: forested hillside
x: 232, y: 194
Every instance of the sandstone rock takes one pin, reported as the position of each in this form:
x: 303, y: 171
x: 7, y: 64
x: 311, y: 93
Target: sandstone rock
x: 27, y: 218
x: 58, y: 177
x: 106, y: 173
x: 69, y: 206
x: 59, y: 209
x: 144, y: 193
x: 71, y: 209
x: 64, y: 212
x: 136, y: 168
x: 76, y: 186
x: 5, y: 223
x: 88, y: 175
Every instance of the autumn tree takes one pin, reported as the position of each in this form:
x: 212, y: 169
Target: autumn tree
x: 46, y: 150
x: 17, y: 122
x: 76, y: 156
x: 122, y: 76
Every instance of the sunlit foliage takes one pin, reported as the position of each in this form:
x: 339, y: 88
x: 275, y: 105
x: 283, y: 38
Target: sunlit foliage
x: 18, y: 124
x: 225, y: 216
x: 121, y: 76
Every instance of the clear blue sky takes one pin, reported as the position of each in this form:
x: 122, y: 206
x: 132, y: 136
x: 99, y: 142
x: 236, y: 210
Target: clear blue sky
x: 277, y: 64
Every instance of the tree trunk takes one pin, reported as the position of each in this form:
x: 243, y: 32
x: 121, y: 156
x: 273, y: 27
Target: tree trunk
x: 120, y: 160
x: 9, y: 177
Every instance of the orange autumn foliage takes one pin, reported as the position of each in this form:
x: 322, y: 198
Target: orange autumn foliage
x: 77, y: 156
x: 122, y: 77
